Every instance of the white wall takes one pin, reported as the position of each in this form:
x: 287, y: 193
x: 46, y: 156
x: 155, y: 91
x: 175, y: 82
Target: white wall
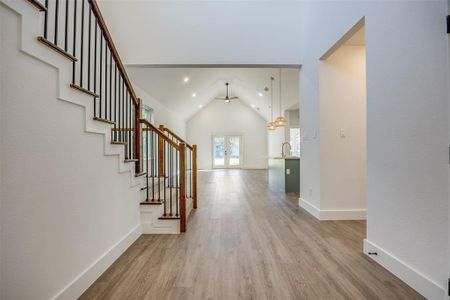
x: 219, y: 117
x: 407, y: 115
x: 163, y: 115
x: 343, y: 169
x: 65, y: 207
x: 204, y: 32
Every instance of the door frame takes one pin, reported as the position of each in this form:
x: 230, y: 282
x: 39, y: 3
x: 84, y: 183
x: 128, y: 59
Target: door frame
x: 226, y: 158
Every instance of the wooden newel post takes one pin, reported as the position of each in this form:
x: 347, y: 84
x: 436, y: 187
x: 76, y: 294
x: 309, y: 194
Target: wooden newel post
x: 194, y: 176
x: 137, y: 136
x: 161, y: 153
x: 182, y: 187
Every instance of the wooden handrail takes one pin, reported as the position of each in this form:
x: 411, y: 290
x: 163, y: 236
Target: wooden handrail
x: 176, y: 136
x: 160, y: 133
x: 101, y: 22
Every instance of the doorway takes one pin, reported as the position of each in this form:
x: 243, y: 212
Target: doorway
x: 227, y: 151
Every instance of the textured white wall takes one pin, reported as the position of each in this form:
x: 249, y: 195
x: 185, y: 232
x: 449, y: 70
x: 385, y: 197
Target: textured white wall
x: 219, y: 117
x: 343, y: 160
x: 407, y: 115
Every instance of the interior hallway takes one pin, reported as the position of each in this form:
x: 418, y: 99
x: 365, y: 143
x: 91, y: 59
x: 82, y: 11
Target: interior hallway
x: 246, y: 242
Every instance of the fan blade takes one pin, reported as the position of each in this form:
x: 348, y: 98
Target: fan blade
x: 233, y: 98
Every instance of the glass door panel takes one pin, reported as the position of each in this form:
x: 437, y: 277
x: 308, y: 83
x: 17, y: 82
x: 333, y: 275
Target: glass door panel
x: 227, y: 151
x: 218, y: 151
x: 234, y: 151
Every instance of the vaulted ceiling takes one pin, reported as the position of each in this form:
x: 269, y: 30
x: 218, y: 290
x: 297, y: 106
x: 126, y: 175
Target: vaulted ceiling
x: 187, y: 90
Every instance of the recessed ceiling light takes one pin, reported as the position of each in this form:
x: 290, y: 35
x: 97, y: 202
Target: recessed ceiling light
x: 260, y: 94
x: 200, y: 106
x: 186, y: 79
x: 194, y: 95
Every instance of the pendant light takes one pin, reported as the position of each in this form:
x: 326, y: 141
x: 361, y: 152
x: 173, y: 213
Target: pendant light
x: 271, y: 124
x: 280, y: 121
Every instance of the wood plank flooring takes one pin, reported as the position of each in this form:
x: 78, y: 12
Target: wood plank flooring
x: 246, y: 242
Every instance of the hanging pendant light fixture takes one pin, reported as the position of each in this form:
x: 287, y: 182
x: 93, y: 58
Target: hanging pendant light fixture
x: 271, y: 124
x: 280, y: 121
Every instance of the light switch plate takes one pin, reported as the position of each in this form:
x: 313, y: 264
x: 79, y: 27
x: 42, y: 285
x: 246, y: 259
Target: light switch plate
x: 288, y: 171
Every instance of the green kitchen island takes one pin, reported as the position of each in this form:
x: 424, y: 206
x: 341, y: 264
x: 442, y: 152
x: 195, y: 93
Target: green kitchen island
x: 284, y: 174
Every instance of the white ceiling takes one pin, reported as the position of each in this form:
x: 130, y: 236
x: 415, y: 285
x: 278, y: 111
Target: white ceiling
x: 204, y: 32
x: 168, y: 87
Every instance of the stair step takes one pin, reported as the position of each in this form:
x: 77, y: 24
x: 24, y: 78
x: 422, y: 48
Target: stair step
x: 118, y: 143
x: 82, y: 89
x: 167, y: 217
x: 104, y: 120
x: 140, y: 174
x: 56, y: 48
x: 130, y: 160
x: 38, y: 5
x: 152, y: 202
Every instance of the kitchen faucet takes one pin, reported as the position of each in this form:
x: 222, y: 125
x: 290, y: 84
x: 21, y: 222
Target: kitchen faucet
x: 282, y: 149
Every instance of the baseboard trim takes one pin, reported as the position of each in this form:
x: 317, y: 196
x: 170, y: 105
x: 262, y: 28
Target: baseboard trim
x: 309, y: 207
x: 324, y: 215
x: 83, y: 281
x: 418, y: 281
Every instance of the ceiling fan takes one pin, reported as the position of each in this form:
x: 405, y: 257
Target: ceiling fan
x: 227, y: 99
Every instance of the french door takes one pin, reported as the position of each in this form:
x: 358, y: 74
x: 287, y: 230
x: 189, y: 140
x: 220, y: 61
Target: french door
x: 227, y: 151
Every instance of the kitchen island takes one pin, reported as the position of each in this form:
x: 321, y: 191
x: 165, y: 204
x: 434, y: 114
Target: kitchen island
x: 284, y: 174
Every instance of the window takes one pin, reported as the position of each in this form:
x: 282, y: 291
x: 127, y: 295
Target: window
x: 147, y: 113
x: 294, y: 134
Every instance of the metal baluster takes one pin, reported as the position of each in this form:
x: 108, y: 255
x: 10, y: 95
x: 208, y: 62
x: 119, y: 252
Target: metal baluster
x: 82, y: 43
x: 123, y: 113
x: 89, y: 49
x: 110, y: 86
x: 158, y: 169
x: 74, y: 38
x: 56, y: 22
x: 177, y: 167
x: 164, y: 184
x: 95, y: 69
x: 106, y: 78
x: 101, y: 75
x: 46, y: 20
x: 169, y: 167
x: 166, y: 168
x: 147, y: 156
x: 66, y: 25
x: 126, y: 123
x: 153, y: 154
x: 120, y: 110
x: 115, y: 102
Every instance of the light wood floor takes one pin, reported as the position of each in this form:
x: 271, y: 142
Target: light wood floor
x: 245, y: 242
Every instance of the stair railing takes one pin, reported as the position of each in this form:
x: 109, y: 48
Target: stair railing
x: 164, y: 162
x: 191, y: 163
x: 77, y: 30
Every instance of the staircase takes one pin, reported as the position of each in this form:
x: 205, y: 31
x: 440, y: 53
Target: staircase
x: 163, y: 164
